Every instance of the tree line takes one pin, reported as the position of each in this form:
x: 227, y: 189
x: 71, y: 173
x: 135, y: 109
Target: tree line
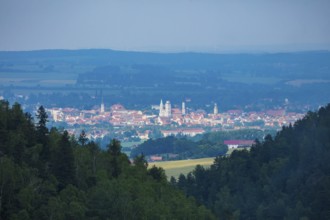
x: 285, y: 177
x: 181, y: 146
x: 201, y: 146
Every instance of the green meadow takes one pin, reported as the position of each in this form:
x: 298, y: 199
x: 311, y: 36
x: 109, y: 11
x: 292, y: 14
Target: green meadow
x: 176, y: 167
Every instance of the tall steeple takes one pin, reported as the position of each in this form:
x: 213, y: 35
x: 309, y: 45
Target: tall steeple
x: 183, y: 111
x: 165, y: 110
x: 102, y: 106
x: 215, y: 110
x: 161, y: 109
x: 168, y: 110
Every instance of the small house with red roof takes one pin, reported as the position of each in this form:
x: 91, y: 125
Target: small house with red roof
x: 233, y: 144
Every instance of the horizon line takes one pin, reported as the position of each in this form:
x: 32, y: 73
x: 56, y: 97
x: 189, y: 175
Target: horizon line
x: 178, y: 51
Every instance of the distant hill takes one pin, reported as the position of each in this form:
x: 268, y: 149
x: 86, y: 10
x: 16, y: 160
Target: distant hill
x: 287, y: 177
x: 301, y: 63
x: 256, y: 81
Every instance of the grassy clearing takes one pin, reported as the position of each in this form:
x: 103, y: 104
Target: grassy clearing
x: 37, y: 78
x: 175, y: 168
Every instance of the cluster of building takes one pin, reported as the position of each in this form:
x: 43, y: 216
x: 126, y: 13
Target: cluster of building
x: 232, y: 119
x: 172, y: 121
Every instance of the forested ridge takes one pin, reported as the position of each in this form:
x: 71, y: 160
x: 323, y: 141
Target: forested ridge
x: 201, y: 146
x: 47, y: 174
x: 183, y: 147
x: 285, y: 177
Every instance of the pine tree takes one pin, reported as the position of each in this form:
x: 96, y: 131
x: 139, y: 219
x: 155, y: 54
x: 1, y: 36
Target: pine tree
x: 63, y: 165
x: 41, y: 125
x: 42, y: 132
x: 114, y: 149
x: 83, y: 138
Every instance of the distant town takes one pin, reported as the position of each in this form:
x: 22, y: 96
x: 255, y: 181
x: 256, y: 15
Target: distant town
x: 163, y: 120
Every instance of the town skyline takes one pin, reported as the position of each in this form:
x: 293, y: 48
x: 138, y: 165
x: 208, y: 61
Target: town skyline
x: 100, y: 121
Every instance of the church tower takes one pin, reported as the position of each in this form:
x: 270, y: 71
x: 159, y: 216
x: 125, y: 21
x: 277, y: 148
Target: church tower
x: 161, y: 109
x: 168, y: 109
x: 102, y: 106
x: 183, y: 111
x: 215, y: 110
x: 165, y: 110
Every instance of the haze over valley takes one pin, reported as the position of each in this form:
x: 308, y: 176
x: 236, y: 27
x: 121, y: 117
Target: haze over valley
x: 178, y: 109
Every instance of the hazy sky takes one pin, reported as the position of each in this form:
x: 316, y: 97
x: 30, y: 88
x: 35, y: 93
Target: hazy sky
x: 165, y: 25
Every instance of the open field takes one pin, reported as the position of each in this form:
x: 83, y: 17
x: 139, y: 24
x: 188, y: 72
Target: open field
x: 38, y: 78
x: 300, y: 82
x: 175, y: 168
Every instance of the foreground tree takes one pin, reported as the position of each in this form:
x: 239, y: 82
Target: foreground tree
x: 83, y: 138
x: 42, y: 130
x: 106, y: 185
x: 285, y: 177
x: 63, y: 163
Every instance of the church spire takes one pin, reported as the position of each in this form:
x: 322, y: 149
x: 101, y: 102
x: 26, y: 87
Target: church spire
x: 102, y: 106
x: 215, y: 110
x: 161, y: 109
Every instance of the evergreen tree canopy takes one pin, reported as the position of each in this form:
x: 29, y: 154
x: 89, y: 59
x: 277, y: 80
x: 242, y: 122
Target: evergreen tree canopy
x: 41, y: 125
x: 73, y: 181
x: 285, y: 177
x: 83, y: 138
